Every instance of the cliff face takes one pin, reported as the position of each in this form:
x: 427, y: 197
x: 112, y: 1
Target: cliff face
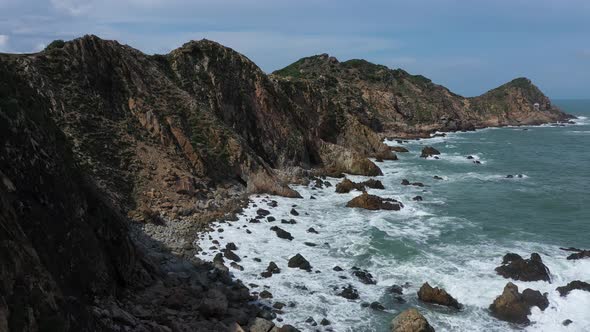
x: 111, y: 159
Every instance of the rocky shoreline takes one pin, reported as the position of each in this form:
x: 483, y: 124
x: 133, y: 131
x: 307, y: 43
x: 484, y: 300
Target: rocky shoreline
x: 511, y: 305
x: 113, y: 160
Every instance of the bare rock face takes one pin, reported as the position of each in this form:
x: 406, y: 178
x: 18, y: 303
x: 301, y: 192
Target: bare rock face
x: 514, y: 307
x: 515, y: 267
x: 410, y: 320
x: 437, y: 296
x: 372, y: 202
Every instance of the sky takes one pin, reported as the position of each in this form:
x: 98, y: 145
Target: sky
x: 470, y: 46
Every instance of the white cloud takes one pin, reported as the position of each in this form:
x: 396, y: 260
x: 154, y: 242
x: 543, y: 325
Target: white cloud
x: 3, y: 43
x: 72, y: 7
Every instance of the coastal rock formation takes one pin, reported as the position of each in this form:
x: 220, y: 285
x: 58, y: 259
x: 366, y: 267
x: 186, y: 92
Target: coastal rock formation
x: 113, y: 159
x: 515, y: 267
x: 437, y: 296
x: 372, y: 202
x: 398, y: 149
x: 410, y: 320
x: 576, y: 284
x: 514, y: 307
x: 578, y: 253
x: 429, y: 151
x: 346, y: 185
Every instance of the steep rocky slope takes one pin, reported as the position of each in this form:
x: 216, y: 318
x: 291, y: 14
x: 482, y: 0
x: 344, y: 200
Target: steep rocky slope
x: 112, y: 160
x: 396, y: 103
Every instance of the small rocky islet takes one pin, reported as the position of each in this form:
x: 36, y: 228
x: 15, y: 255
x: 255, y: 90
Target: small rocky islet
x: 114, y: 159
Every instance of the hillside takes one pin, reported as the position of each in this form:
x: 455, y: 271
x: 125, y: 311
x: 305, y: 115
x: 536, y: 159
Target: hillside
x: 112, y: 160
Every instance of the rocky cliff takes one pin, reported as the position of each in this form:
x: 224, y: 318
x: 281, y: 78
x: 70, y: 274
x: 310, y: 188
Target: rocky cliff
x: 112, y: 160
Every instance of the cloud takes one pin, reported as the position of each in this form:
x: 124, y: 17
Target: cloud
x: 72, y: 7
x: 3, y: 43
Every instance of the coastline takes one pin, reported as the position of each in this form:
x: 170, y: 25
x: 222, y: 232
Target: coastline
x: 260, y: 201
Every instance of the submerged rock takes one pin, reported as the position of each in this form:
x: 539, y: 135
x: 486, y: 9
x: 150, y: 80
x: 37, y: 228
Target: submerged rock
x: 514, y: 307
x: 410, y: 320
x: 429, y: 151
x: 437, y: 296
x: 578, y: 254
x: 576, y: 284
x: 372, y: 202
x: 515, y: 267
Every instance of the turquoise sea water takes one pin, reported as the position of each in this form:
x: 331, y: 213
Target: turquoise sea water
x: 454, y: 238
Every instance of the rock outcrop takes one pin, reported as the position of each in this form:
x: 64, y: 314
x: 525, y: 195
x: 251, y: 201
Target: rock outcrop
x: 410, y: 320
x: 437, y: 296
x: 515, y: 307
x: 372, y: 202
x: 515, y: 267
x: 429, y: 151
x: 576, y: 284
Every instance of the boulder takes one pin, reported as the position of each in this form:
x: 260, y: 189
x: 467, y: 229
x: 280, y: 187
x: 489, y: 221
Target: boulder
x: 410, y: 320
x: 515, y: 267
x: 294, y: 212
x: 265, y: 294
x: 437, y: 296
x: 349, y: 292
x: 405, y: 182
x: 373, y: 184
x: 300, y: 262
x: 436, y: 177
x: 576, y: 284
x: 372, y: 202
x: 347, y: 186
x: 262, y: 212
x: 229, y: 254
x: 260, y: 325
x: 364, y: 276
x: 514, y: 307
x: 312, y: 230
x: 386, y: 155
x: 429, y: 151
x: 283, y: 234
x: 417, y: 198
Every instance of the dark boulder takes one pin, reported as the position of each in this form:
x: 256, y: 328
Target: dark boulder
x: 437, y: 296
x: 229, y: 254
x: 373, y: 184
x: 405, y: 182
x: 436, y: 177
x: 312, y: 230
x: 283, y: 234
x: 372, y: 202
x: 429, y: 151
x: 576, y: 284
x: 294, y: 212
x: 300, y: 262
x: 515, y: 267
x: 417, y: 198
x: 262, y: 212
x: 349, y: 292
x: 365, y: 277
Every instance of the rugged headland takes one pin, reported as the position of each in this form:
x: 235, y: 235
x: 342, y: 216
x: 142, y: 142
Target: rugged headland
x: 111, y: 160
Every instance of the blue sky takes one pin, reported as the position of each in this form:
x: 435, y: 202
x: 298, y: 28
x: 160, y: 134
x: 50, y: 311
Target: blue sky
x: 469, y: 46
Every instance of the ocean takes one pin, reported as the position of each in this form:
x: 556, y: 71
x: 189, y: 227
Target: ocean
x: 453, y: 239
